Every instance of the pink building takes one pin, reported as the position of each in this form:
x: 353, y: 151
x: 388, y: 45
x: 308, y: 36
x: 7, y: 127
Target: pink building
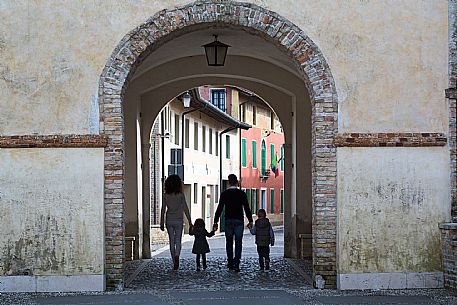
x: 261, y: 157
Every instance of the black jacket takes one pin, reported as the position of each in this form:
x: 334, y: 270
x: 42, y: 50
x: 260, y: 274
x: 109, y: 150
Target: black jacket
x: 234, y: 200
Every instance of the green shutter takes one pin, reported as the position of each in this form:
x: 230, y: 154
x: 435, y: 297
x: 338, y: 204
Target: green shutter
x: 254, y: 201
x: 272, y: 154
x: 248, y: 195
x: 243, y: 152
x: 282, y: 157
x: 263, y: 154
x: 282, y: 201
x: 254, y: 154
x: 272, y: 201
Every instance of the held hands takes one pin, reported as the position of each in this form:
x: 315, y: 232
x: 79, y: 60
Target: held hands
x: 215, y: 227
x: 249, y: 225
x: 162, y: 227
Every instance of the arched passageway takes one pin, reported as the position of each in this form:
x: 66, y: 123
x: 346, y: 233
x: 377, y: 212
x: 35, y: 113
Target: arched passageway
x: 270, y: 56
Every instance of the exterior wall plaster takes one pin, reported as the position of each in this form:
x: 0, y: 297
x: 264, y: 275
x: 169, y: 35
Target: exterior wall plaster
x: 51, y: 203
x: 387, y: 80
x: 391, y: 201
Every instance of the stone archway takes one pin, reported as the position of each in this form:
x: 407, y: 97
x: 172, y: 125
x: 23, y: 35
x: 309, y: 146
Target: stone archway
x: 169, y: 24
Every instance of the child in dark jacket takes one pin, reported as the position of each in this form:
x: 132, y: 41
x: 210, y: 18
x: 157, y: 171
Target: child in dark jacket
x: 201, y: 246
x: 264, y: 237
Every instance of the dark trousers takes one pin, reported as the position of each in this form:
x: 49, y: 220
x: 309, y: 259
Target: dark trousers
x: 203, y: 260
x: 264, y: 257
x: 233, y: 228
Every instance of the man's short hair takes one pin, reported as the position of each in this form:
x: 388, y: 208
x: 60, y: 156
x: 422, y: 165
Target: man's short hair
x: 232, y: 179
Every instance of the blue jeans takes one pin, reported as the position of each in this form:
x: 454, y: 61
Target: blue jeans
x: 233, y: 227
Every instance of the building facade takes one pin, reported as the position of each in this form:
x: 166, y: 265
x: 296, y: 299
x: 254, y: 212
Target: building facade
x: 262, y: 157
x: 207, y: 146
x: 370, y: 141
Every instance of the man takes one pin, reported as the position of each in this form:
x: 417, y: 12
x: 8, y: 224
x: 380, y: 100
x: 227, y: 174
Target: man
x: 234, y: 200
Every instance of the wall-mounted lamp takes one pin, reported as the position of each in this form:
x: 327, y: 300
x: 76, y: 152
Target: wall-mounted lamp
x: 216, y: 52
x: 186, y: 99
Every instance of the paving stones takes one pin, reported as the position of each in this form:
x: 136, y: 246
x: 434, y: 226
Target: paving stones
x: 158, y: 274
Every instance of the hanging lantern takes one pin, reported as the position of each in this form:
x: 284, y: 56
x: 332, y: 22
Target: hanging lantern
x: 216, y: 52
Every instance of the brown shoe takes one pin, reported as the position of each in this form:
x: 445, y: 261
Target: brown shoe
x: 176, y: 263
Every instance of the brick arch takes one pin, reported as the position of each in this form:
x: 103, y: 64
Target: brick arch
x: 310, y: 62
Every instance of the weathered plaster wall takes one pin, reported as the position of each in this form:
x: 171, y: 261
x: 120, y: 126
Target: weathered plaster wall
x: 390, y: 202
x: 388, y: 80
x: 51, y: 219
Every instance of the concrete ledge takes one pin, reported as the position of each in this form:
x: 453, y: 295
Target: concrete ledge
x: 71, y: 283
x: 394, y: 280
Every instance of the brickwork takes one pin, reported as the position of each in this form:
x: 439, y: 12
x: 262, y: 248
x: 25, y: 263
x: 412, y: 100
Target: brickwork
x: 52, y: 141
x: 451, y: 94
x: 390, y: 139
x: 155, y: 175
x: 169, y: 24
x: 449, y: 243
x: 449, y: 230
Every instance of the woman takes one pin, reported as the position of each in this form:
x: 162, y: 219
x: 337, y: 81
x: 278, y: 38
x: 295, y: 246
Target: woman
x: 175, y: 205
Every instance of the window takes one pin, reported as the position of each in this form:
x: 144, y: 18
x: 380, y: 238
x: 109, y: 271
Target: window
x: 254, y: 200
x: 272, y: 120
x: 217, y: 194
x: 272, y: 201
x: 272, y: 155
x: 195, y: 193
x: 282, y: 158
x: 210, y: 137
x: 282, y: 201
x: 254, y: 154
x: 243, y: 113
x: 195, y: 135
x: 176, y: 156
x: 177, y: 129
x: 186, y: 125
x: 263, y: 158
x: 165, y: 118
x: 248, y: 196
x: 254, y: 115
x: 203, y: 138
x: 243, y: 152
x: 227, y: 147
x: 218, y: 98
x: 217, y: 143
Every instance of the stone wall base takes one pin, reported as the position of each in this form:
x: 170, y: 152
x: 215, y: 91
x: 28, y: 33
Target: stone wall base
x: 71, y: 283
x: 393, y: 280
x: 449, y: 244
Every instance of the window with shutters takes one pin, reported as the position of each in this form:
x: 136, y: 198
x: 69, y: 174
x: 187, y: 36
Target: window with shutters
x: 195, y: 135
x: 263, y: 161
x: 210, y: 142
x: 177, y: 129
x: 254, y: 154
x: 227, y: 147
x: 203, y: 138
